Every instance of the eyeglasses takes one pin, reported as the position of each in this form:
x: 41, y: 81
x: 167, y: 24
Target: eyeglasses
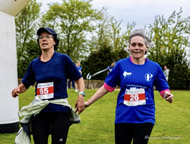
x: 47, y: 37
x: 135, y: 44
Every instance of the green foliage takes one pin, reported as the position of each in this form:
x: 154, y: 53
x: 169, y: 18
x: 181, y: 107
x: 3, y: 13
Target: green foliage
x: 98, y: 60
x: 120, y: 54
x: 31, y: 52
x: 180, y: 78
x: 118, y: 38
x: 110, y: 34
x: 106, y: 47
x: 73, y: 19
x: 97, y: 39
x: 171, y: 37
x: 26, y: 22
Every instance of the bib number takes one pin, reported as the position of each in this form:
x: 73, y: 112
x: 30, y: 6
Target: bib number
x: 134, y: 97
x: 45, y: 90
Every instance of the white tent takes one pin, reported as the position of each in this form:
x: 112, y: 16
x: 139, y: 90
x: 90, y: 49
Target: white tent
x: 9, y: 121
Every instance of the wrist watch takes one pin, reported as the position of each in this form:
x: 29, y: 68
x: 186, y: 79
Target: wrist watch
x: 82, y: 93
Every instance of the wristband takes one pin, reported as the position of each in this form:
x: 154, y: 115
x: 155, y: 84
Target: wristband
x: 82, y: 93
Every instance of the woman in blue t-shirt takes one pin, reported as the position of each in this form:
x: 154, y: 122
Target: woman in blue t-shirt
x: 50, y: 72
x: 137, y: 76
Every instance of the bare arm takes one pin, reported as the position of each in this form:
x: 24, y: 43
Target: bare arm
x: 100, y: 93
x: 20, y: 89
x: 80, y: 83
x: 80, y: 105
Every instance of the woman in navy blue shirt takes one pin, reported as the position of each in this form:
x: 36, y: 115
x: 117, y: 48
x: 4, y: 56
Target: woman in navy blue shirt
x: 50, y: 72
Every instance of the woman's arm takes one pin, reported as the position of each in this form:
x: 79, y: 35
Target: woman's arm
x: 80, y: 105
x: 100, y: 93
x: 20, y: 89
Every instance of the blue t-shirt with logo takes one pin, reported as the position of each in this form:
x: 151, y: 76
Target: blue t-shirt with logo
x: 55, y: 71
x: 135, y: 102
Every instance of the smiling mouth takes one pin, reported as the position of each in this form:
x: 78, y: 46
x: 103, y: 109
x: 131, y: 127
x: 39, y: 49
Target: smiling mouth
x: 44, y: 44
x: 137, y: 52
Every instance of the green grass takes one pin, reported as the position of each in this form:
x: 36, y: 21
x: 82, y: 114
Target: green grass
x: 97, y: 121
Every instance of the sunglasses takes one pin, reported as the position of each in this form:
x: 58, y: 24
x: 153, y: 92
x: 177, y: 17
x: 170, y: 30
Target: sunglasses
x: 47, y: 37
x: 137, y: 44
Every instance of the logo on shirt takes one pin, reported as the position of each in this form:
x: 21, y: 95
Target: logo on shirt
x: 148, y: 76
x: 61, y: 140
x: 126, y: 74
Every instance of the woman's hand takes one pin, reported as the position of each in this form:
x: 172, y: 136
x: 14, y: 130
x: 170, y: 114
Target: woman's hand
x: 86, y: 104
x: 168, y: 97
x: 80, y: 104
x: 20, y: 89
x: 15, y: 92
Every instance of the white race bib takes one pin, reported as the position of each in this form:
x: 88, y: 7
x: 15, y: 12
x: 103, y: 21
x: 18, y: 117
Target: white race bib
x: 45, y: 90
x: 134, y: 97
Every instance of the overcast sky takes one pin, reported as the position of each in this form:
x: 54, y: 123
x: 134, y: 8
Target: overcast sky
x: 142, y: 12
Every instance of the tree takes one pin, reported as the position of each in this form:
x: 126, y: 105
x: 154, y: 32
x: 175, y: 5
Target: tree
x: 121, y: 44
x: 73, y: 19
x: 110, y: 33
x: 171, y: 37
x: 107, y: 45
x: 26, y: 22
x: 179, y: 76
x: 96, y: 61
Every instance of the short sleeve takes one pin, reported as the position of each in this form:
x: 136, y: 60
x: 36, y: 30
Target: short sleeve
x: 72, y: 71
x: 113, y: 77
x: 29, y: 77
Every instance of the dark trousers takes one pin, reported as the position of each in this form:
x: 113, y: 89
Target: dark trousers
x: 56, y: 123
x: 126, y: 132
x: 71, y: 82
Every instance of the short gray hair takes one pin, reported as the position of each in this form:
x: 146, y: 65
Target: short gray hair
x: 142, y: 33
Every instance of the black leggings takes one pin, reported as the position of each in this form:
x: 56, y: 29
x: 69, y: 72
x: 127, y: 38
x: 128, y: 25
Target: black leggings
x: 126, y: 132
x: 56, y: 123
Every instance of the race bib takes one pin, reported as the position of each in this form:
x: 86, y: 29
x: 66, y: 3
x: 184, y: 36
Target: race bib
x: 45, y: 90
x: 134, y: 97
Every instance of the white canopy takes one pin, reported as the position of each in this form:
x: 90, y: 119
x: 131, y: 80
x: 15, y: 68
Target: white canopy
x: 12, y: 7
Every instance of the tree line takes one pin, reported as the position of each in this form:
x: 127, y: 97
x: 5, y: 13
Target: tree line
x: 97, y: 39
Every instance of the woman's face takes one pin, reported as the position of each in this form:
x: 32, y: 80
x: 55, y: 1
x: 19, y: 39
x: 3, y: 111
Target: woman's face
x: 138, y: 47
x: 46, y: 41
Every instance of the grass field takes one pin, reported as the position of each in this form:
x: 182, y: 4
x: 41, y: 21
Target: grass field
x: 97, y: 122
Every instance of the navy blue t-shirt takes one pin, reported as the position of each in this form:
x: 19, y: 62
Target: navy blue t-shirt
x: 56, y: 70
